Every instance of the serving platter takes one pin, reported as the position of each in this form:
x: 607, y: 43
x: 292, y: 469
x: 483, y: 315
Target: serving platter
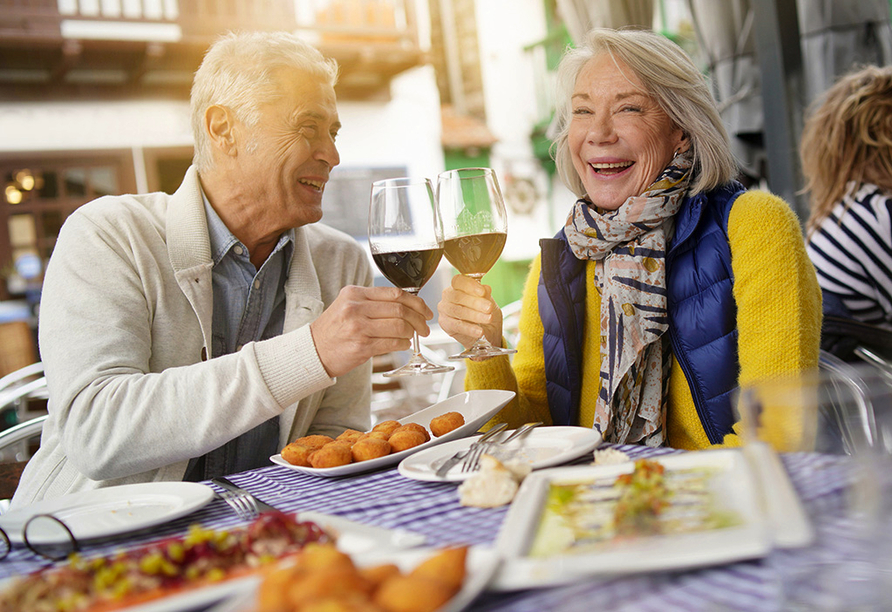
x: 730, y: 485
x: 477, y: 407
x: 366, y: 544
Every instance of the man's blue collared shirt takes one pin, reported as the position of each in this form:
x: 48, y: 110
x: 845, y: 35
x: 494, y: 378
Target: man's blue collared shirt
x: 249, y: 305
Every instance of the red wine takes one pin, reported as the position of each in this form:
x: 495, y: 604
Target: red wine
x: 475, y: 254
x: 409, y: 269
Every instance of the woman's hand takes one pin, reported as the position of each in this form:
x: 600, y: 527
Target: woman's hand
x: 467, y: 311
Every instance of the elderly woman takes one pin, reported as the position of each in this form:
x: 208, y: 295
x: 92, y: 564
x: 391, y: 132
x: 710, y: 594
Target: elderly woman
x: 846, y: 155
x: 669, y: 286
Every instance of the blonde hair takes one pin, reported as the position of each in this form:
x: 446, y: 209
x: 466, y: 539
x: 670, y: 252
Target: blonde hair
x: 240, y: 72
x: 672, y: 80
x: 847, y: 137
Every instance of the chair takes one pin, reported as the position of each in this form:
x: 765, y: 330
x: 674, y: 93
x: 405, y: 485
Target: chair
x: 16, y: 442
x: 17, y: 348
x: 21, y: 388
x: 847, y: 403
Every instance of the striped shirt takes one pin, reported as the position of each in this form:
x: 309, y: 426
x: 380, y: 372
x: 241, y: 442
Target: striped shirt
x: 852, y: 253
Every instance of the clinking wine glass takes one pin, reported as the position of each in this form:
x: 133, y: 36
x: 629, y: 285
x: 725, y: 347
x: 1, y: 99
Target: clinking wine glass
x: 475, y: 229
x: 406, y: 240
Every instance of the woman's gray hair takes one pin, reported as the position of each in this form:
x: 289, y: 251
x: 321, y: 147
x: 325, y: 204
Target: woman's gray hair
x: 240, y: 72
x: 672, y: 80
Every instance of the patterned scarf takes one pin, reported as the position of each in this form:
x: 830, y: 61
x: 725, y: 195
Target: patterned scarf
x: 629, y: 246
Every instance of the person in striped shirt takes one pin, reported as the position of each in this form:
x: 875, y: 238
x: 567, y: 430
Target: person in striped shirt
x: 846, y: 153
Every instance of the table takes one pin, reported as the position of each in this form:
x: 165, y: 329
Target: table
x: 387, y: 499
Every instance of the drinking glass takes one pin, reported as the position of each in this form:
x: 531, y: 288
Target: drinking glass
x: 839, y: 417
x: 406, y: 240
x: 475, y: 226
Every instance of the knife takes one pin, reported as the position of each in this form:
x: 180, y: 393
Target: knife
x: 447, y: 465
x: 231, y: 486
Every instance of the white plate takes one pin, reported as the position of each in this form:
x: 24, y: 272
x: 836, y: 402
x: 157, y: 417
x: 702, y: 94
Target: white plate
x: 477, y: 407
x: 114, y: 510
x: 365, y: 543
x: 733, y: 487
x: 543, y: 447
x: 481, y: 565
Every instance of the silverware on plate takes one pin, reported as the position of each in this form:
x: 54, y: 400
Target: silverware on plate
x: 447, y: 465
x: 472, y: 460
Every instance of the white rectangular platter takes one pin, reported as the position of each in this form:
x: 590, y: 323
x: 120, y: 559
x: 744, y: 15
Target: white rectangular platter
x: 732, y: 489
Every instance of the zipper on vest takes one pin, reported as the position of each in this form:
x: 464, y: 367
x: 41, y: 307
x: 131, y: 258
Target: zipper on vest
x: 699, y: 403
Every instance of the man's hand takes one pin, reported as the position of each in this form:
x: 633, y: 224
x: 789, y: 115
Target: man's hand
x: 366, y: 321
x: 467, y: 311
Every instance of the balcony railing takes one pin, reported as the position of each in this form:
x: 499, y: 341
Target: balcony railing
x: 85, y: 48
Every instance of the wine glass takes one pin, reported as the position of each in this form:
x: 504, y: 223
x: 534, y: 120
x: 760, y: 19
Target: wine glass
x: 406, y: 239
x: 475, y: 229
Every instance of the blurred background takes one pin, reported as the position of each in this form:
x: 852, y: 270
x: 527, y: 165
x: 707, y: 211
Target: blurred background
x: 94, y: 100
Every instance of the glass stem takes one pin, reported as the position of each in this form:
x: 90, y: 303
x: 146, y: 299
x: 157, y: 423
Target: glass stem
x: 415, y: 345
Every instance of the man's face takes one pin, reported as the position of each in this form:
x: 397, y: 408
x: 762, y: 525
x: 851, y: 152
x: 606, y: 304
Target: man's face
x: 289, y: 153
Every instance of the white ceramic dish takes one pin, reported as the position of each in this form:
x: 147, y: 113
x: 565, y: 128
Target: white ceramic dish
x: 114, y: 510
x: 541, y: 448
x: 733, y: 486
x: 481, y: 565
x: 365, y: 543
x: 477, y: 407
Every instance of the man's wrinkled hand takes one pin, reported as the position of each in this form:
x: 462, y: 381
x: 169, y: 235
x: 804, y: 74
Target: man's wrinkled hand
x: 366, y: 321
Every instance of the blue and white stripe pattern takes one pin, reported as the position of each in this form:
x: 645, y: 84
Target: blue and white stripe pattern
x: 852, y: 253
x: 387, y: 499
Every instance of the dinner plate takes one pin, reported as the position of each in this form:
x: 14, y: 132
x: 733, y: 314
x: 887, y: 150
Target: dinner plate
x: 477, y: 407
x: 481, y: 565
x: 730, y: 496
x: 366, y: 544
x: 113, y: 510
x: 542, y: 448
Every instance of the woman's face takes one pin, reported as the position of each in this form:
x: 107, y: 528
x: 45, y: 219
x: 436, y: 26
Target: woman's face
x: 620, y: 139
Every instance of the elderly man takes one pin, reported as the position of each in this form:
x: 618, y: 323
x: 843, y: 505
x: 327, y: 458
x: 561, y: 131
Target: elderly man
x: 194, y: 334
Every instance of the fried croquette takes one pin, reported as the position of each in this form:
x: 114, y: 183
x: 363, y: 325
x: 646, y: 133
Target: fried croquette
x: 332, y: 582
x: 323, y: 579
x: 377, y: 574
x: 445, y: 423
x: 370, y: 448
x: 446, y: 566
x: 405, y: 439
x: 414, y: 427
x: 324, y: 556
x: 387, y: 426
x: 412, y: 594
x: 297, y: 454
x: 350, y: 435
x: 331, y: 455
x: 314, y: 442
x: 380, y: 435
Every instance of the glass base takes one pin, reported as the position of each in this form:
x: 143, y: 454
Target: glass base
x: 419, y: 365
x: 479, y: 353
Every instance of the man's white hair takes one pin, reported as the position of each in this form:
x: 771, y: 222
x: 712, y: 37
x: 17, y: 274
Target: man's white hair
x: 240, y: 72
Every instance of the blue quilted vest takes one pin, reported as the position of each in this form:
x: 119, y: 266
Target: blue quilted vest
x: 702, y: 313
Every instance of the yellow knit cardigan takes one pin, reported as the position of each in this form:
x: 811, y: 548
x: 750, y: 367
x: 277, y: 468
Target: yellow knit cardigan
x: 778, y: 319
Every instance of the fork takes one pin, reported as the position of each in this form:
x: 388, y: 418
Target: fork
x: 244, y: 505
x: 472, y: 461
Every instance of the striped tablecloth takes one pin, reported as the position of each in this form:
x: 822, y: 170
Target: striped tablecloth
x: 387, y: 499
